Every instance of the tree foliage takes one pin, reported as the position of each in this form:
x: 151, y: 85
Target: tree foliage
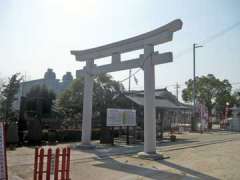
x: 1, y: 86
x: 236, y: 97
x: 70, y: 102
x: 105, y: 91
x: 8, y: 93
x: 40, y: 98
x: 1, y: 96
x: 214, y: 92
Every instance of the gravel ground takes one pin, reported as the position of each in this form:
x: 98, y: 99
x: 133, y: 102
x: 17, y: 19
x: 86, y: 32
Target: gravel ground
x: 212, y: 155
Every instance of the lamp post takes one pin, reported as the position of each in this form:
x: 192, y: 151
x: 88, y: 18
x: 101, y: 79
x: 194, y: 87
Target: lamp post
x: 226, y: 114
x: 195, y: 46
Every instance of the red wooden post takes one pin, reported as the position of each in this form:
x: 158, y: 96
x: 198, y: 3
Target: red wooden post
x: 68, y: 163
x: 5, y: 150
x: 35, y: 164
x: 56, y: 164
x: 63, y: 164
x: 41, y: 158
x: 49, y: 156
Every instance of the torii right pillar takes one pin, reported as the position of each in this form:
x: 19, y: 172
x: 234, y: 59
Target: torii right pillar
x: 149, y: 102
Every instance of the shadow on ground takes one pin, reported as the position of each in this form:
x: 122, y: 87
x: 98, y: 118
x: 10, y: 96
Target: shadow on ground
x: 103, y: 150
x: 106, y: 161
x: 167, y: 142
x: 154, y: 172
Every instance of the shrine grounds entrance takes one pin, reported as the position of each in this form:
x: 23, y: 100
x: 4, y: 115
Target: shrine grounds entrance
x: 147, y: 61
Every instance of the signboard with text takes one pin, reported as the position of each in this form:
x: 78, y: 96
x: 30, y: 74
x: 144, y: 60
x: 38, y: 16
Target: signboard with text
x: 3, y: 172
x: 121, y: 117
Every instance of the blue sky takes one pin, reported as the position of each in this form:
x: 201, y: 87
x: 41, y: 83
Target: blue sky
x: 36, y: 35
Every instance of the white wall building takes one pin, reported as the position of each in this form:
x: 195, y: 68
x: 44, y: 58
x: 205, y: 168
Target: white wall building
x: 49, y: 80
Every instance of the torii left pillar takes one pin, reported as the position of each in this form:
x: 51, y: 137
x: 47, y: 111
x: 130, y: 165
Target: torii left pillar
x: 87, y: 108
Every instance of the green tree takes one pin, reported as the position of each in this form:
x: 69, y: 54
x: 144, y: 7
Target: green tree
x: 105, y: 91
x: 70, y: 102
x: 214, y: 92
x: 236, y: 97
x: 8, y: 96
x: 1, y: 85
x: 1, y: 99
x: 40, y: 98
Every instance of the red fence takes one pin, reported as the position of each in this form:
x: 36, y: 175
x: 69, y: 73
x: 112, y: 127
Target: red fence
x: 44, y: 162
x: 3, y: 153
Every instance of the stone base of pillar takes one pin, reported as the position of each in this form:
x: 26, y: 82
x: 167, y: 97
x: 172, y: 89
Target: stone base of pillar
x: 151, y: 156
x: 83, y: 146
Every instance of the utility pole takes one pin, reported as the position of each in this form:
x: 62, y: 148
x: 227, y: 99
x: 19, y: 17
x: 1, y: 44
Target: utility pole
x: 177, y: 87
x: 129, y: 90
x: 195, y: 46
x: 129, y: 81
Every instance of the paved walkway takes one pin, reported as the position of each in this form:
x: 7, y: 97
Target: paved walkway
x: 213, y: 155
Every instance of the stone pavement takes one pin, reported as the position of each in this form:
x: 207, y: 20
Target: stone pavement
x: 212, y: 155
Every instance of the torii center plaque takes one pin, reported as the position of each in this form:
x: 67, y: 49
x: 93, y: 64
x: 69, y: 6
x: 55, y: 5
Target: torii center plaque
x: 147, y: 61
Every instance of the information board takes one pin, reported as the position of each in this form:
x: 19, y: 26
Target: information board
x: 121, y: 117
x: 3, y: 173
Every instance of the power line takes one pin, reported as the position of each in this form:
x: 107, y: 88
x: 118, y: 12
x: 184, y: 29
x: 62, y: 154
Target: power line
x: 188, y: 50
x: 209, y: 39
x: 130, y: 75
x: 235, y: 83
x: 133, y: 74
x: 221, y: 33
x: 183, y: 84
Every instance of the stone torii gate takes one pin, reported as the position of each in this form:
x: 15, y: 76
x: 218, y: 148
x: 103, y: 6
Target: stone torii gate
x: 147, y: 61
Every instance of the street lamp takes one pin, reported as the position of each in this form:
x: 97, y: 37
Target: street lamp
x: 226, y: 114
x: 195, y: 46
